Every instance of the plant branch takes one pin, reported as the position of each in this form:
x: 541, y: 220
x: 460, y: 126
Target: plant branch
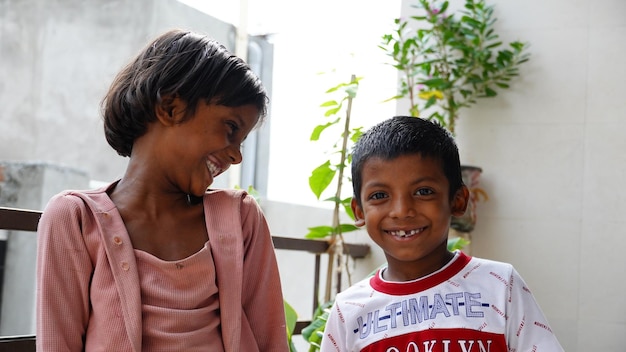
x: 452, y: 60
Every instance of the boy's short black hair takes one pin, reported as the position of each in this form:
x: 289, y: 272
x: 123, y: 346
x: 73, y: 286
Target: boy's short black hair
x: 189, y: 66
x: 402, y: 135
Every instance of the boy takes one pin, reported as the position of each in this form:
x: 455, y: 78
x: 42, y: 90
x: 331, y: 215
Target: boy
x: 407, y: 184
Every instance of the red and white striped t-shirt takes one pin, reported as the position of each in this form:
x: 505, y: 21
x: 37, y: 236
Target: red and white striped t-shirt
x: 470, y: 305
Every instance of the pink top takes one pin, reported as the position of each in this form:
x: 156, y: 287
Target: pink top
x: 180, y: 304
x: 89, y: 294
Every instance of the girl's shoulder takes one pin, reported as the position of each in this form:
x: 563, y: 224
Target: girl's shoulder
x: 237, y: 197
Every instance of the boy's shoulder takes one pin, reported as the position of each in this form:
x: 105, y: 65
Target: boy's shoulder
x: 478, y: 268
x: 361, y: 288
x: 491, y: 264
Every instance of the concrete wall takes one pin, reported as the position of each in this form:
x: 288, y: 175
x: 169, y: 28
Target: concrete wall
x: 552, y: 151
x: 57, y: 59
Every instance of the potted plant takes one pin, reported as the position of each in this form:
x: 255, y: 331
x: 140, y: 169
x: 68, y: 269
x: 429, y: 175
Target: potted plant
x: 447, y: 63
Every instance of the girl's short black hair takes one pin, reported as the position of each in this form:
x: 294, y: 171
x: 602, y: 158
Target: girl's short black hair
x: 403, y: 135
x: 182, y: 64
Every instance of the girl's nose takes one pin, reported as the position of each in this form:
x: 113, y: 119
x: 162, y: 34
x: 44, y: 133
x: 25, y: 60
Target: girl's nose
x: 234, y: 154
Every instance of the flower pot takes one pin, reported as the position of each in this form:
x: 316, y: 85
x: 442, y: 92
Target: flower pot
x: 471, y: 177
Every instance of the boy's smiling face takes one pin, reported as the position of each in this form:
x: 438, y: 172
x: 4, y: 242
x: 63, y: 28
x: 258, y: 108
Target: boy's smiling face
x: 406, y: 209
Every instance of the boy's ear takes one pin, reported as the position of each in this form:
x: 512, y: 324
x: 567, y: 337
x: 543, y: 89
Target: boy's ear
x: 460, y: 201
x: 359, y: 217
x: 170, y: 110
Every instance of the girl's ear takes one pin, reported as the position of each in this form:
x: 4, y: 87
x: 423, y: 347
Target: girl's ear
x: 170, y: 110
x: 359, y: 217
x: 460, y: 201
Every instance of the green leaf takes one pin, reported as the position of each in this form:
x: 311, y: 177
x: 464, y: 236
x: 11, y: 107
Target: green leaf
x: 317, y: 131
x: 519, y: 46
x: 356, y: 134
x: 474, y: 79
x: 309, y: 332
x: 291, y: 317
x: 465, y: 93
x: 321, y: 177
x: 393, y: 98
x: 329, y: 103
x: 332, y: 199
x: 494, y: 45
x: 319, y: 232
x: 437, y: 83
x: 457, y: 243
x: 431, y: 101
x: 332, y: 111
x: 347, y: 228
x: 313, y: 332
x: 490, y: 92
x: 444, y: 7
x: 337, y: 87
x: 345, y: 203
x: 348, y: 210
x: 471, y: 22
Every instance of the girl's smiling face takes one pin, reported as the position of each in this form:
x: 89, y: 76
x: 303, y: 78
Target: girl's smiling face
x: 406, y: 209
x: 206, y: 145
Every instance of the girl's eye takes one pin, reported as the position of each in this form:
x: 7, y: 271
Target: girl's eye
x: 378, y: 195
x: 234, y: 127
x: 424, y: 192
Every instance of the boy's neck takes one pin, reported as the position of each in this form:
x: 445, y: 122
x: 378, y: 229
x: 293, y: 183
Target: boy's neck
x: 401, y: 272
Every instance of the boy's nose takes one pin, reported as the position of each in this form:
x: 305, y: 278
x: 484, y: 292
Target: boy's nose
x: 402, y: 208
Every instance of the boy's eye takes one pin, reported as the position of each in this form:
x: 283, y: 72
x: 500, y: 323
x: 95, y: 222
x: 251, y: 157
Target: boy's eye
x: 424, y: 192
x: 377, y: 195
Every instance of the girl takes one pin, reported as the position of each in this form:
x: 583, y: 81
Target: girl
x: 156, y: 260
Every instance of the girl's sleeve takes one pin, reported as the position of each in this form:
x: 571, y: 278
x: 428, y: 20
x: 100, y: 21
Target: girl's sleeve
x: 262, y: 292
x: 63, y: 274
x: 527, y: 326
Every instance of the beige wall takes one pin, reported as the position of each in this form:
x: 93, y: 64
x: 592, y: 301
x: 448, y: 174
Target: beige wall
x: 552, y: 150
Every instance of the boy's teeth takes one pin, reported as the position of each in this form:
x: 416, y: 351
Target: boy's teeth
x: 403, y: 233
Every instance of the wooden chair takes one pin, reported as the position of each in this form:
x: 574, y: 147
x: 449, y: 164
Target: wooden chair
x: 22, y: 343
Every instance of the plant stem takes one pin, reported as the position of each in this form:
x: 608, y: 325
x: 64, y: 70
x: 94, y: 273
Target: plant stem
x: 336, y: 240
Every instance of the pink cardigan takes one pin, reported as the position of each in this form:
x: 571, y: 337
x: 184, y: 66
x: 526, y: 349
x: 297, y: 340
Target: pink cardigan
x: 88, y: 295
